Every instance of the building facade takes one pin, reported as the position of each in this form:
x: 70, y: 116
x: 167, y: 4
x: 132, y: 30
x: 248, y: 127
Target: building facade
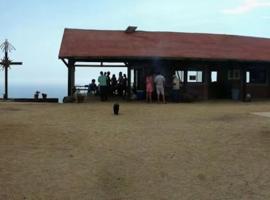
x: 210, y: 66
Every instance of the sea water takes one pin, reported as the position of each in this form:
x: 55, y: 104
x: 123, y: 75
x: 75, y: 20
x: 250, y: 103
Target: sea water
x: 28, y: 90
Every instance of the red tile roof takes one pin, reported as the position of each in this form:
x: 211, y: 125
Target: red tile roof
x: 87, y: 44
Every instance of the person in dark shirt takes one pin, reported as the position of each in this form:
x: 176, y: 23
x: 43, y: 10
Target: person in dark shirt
x: 92, y: 89
x: 120, y: 84
x: 114, y: 84
x: 109, y: 88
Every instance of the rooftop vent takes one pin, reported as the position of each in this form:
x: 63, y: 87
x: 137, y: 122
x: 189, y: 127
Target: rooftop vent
x: 131, y: 29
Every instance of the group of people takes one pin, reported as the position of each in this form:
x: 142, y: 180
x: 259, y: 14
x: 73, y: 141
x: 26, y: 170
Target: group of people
x: 159, y: 82
x: 109, y: 85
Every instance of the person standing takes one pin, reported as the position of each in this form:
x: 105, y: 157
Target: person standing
x: 175, y: 88
x: 120, y: 84
x: 92, y: 88
x: 160, y: 83
x: 149, y: 87
x: 109, y: 90
x: 114, y: 84
x: 102, y: 79
x: 124, y: 85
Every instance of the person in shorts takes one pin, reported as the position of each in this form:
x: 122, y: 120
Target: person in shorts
x: 149, y: 87
x: 160, y: 83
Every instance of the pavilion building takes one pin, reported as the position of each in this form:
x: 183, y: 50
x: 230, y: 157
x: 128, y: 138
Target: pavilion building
x: 211, y: 66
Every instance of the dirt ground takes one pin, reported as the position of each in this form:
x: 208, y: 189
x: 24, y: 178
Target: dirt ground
x: 200, y: 151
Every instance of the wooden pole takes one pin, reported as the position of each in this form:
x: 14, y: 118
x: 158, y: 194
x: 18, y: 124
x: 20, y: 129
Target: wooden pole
x: 268, y: 78
x: 243, y: 83
x: 6, y: 83
x: 71, y: 77
x: 6, y: 63
x: 129, y: 82
x: 206, y: 80
x: 135, y: 78
x: 6, y: 76
x: 185, y: 81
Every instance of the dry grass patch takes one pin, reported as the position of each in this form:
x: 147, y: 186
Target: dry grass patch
x: 213, y: 150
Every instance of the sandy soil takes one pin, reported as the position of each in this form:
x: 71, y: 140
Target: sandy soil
x: 213, y: 150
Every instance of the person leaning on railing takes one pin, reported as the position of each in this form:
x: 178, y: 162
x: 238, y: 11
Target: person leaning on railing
x: 92, y: 88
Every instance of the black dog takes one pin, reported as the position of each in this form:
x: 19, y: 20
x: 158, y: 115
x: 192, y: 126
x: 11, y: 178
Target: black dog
x: 116, y: 108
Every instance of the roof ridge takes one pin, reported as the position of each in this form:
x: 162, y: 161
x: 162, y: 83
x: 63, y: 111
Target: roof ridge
x: 170, y: 32
x: 81, y: 43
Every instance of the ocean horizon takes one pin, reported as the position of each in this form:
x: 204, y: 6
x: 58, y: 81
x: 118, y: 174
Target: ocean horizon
x: 28, y: 90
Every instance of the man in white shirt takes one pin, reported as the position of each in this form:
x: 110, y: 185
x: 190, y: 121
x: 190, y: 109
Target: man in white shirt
x: 160, y: 83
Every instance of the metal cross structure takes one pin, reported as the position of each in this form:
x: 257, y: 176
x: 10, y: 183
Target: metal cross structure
x: 6, y: 63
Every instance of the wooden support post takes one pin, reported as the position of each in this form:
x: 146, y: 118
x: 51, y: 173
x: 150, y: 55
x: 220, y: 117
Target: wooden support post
x: 268, y: 78
x: 129, y: 82
x: 71, y: 76
x: 206, y: 79
x: 185, y: 79
x: 142, y: 78
x: 135, y: 78
x: 243, y: 78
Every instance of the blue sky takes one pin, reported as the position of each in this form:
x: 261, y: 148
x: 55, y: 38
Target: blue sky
x: 35, y: 28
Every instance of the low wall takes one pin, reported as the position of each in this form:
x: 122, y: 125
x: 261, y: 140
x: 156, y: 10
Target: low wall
x: 258, y: 91
x: 197, y: 89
